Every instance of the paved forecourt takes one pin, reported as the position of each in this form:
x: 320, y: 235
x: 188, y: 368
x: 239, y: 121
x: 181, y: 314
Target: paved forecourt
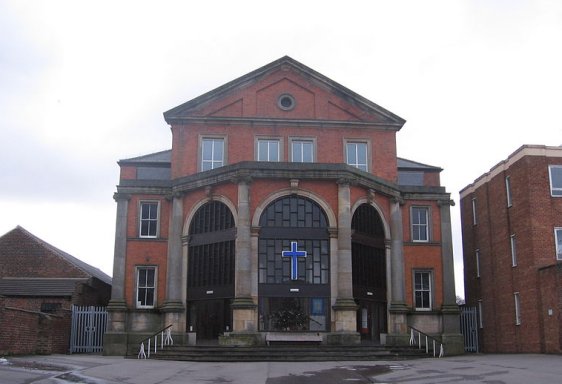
x: 93, y: 369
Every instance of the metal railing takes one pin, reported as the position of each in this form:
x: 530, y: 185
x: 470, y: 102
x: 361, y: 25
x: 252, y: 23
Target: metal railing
x: 165, y: 339
x: 423, y: 339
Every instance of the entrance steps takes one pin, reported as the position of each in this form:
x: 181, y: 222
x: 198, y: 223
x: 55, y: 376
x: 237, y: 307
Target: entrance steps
x: 286, y: 353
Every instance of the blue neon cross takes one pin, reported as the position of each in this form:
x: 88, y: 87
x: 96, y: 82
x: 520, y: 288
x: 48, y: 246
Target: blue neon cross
x: 294, y: 255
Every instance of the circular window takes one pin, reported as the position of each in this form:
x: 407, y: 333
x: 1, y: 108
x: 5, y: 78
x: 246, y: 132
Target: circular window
x: 286, y: 102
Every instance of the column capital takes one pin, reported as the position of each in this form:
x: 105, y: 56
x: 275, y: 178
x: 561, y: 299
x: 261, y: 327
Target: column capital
x: 242, y: 179
x: 121, y: 196
x: 448, y: 202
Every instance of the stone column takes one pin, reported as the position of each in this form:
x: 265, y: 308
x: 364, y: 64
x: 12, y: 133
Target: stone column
x: 244, y: 314
x: 115, y: 339
x: 450, y: 311
x: 173, y: 307
x: 397, y: 326
x: 345, y: 309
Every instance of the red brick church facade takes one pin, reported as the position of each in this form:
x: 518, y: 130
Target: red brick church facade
x: 282, y: 207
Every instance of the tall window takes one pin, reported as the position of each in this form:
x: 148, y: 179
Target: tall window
x: 474, y: 218
x: 517, y: 308
x: 268, y: 150
x: 477, y: 263
x: 555, y: 173
x: 212, y: 153
x: 422, y: 290
x: 302, y: 151
x: 513, y: 242
x: 357, y: 155
x: 420, y: 224
x: 480, y: 315
x: 148, y: 226
x: 508, y: 191
x: 146, y: 287
x: 558, y: 239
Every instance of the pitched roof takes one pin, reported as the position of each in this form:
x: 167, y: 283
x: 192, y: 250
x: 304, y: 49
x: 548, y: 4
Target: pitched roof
x: 405, y: 164
x: 19, y: 234
x: 162, y: 157
x: 10, y: 286
x: 175, y: 114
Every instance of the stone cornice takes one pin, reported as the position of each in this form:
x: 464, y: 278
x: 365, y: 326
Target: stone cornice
x: 301, y: 171
x: 251, y: 171
x: 260, y: 121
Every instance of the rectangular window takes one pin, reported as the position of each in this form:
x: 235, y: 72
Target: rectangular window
x: 508, y: 191
x: 422, y: 290
x: 513, y: 243
x: 477, y: 263
x: 517, y: 308
x: 558, y: 239
x: 146, y: 287
x: 268, y: 150
x: 212, y: 153
x: 356, y: 154
x: 302, y: 151
x: 474, y: 219
x: 555, y: 173
x: 420, y: 224
x: 480, y: 315
x: 148, y: 219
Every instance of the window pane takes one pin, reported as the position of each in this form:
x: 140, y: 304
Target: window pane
x: 297, y: 152
x: 262, y: 150
x: 207, y: 150
x: 351, y: 154
x: 558, y: 234
x: 556, y: 180
x: 218, y: 150
x: 307, y: 153
x: 273, y: 151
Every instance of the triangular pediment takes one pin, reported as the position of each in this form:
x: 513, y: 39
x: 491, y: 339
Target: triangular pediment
x: 284, y: 90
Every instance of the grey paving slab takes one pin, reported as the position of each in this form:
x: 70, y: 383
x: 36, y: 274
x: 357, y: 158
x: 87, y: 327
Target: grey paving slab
x: 92, y: 369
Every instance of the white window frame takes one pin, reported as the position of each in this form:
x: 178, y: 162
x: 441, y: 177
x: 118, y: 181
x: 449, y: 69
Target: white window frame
x: 142, y: 220
x: 558, y: 242
x: 477, y: 255
x: 517, y: 302
x: 214, y: 162
x: 418, y: 225
x: 513, y: 246
x: 508, y: 191
x: 297, y: 140
x: 480, y: 315
x: 362, y: 164
x: 143, y: 285
x: 268, y: 141
x: 474, y: 218
x: 429, y: 290
x: 554, y: 191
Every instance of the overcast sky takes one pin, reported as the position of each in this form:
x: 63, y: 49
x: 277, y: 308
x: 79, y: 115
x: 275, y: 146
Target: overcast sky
x: 84, y: 84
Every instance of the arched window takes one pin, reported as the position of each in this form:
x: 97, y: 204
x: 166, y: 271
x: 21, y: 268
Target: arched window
x: 294, y: 266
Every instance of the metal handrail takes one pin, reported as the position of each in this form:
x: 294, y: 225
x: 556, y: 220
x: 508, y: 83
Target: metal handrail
x: 427, y: 338
x: 167, y: 340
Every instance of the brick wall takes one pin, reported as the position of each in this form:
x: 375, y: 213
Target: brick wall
x: 25, y: 330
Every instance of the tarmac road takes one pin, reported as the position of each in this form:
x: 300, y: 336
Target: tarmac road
x: 466, y: 369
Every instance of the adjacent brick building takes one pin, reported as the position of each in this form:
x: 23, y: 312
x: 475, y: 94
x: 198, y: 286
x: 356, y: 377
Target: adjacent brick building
x: 512, y: 248
x: 38, y: 286
x: 282, y: 207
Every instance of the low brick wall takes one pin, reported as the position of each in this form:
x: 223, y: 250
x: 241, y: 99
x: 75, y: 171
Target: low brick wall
x: 24, y: 331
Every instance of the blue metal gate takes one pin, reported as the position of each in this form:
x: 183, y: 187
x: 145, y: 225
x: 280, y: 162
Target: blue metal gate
x: 87, y: 329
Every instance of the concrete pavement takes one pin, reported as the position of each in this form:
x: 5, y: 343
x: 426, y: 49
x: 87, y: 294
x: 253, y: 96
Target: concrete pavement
x: 94, y: 369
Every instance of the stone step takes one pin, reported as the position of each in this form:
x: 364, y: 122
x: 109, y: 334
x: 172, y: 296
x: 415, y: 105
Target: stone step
x: 286, y: 353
